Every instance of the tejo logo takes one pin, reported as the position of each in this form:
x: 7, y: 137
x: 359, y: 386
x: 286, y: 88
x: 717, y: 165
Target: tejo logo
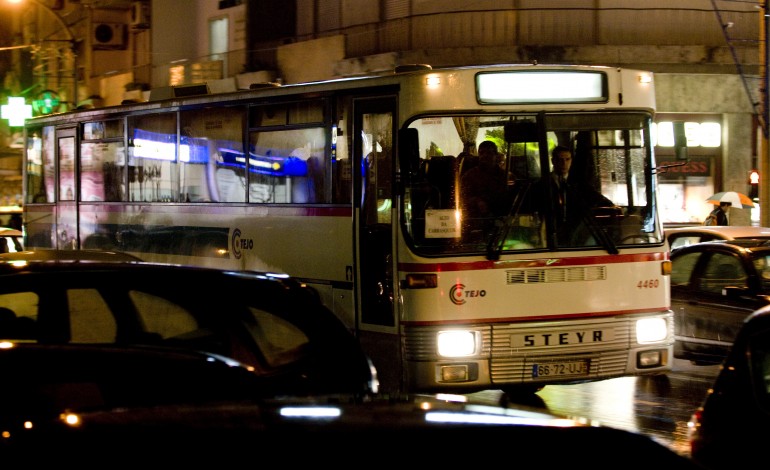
x: 458, y: 294
x: 239, y: 243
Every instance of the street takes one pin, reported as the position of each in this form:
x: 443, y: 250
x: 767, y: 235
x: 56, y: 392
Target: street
x: 659, y: 407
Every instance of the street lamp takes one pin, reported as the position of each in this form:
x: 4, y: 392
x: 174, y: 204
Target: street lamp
x: 70, y: 38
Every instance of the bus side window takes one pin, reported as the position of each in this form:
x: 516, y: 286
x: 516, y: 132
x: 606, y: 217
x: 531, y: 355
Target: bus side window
x: 208, y: 169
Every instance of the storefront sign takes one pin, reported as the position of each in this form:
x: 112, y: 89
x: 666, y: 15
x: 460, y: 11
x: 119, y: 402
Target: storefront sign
x: 696, y: 166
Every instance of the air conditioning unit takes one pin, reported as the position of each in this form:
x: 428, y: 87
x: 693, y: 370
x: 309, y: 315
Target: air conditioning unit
x: 109, y: 36
x: 140, y: 15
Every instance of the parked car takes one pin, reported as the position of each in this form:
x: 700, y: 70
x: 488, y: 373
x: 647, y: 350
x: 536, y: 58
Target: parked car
x: 11, y: 240
x: 683, y: 236
x: 714, y: 286
x: 730, y: 430
x: 272, y: 323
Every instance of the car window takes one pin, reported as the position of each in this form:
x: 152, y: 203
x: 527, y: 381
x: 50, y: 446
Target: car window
x: 161, y: 316
x: 682, y: 267
x: 722, y: 270
x: 684, y: 240
x: 762, y: 266
x: 24, y: 304
x: 281, y: 342
x: 91, y: 320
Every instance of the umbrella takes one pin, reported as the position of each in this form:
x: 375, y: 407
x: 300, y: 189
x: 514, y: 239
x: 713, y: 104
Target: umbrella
x: 737, y: 199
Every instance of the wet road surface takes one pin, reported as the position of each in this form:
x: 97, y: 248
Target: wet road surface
x: 659, y: 407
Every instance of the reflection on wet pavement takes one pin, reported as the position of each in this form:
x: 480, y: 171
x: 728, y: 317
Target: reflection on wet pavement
x: 659, y: 406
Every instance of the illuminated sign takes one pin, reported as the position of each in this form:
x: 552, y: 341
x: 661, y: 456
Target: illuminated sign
x: 16, y: 111
x: 47, y: 102
x: 265, y: 164
x: 695, y: 166
x: 699, y: 134
x: 542, y: 86
x: 159, y: 146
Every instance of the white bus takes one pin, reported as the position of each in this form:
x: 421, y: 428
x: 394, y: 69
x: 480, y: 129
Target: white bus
x: 354, y: 186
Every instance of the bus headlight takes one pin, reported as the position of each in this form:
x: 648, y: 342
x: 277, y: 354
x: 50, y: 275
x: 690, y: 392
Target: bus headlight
x: 650, y: 330
x: 457, y: 343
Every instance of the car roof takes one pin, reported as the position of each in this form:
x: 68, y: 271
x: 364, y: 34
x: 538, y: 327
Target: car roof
x: 753, y: 245
x: 104, y: 272
x: 69, y: 255
x: 760, y: 316
x: 726, y: 231
x: 107, y: 259
x: 10, y: 232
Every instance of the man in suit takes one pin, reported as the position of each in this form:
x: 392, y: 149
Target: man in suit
x: 572, y: 200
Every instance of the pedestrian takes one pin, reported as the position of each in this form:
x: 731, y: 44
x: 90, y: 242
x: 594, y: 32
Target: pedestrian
x: 719, y: 215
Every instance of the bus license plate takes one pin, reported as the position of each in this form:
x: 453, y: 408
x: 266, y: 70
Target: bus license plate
x: 557, y: 369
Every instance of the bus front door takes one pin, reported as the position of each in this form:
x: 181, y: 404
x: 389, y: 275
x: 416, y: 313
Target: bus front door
x: 376, y: 319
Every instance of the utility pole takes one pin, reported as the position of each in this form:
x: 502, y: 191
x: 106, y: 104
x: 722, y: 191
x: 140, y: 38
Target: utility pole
x: 764, y: 152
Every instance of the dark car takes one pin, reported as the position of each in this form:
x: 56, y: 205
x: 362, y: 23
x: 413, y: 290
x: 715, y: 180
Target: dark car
x: 714, y: 286
x: 272, y: 323
x: 415, y: 431
x: 729, y: 430
x: 41, y: 381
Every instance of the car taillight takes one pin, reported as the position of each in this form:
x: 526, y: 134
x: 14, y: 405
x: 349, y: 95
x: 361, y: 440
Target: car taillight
x: 692, y: 429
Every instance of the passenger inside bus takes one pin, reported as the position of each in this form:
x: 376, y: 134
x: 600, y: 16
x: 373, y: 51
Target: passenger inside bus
x: 484, y: 188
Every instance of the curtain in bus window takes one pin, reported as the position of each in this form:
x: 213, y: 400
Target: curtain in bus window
x: 40, y: 165
x: 211, y: 149
x: 101, y: 171
x: 49, y: 163
x: 67, y: 187
x: 286, y: 166
x: 153, y: 174
x: 467, y: 129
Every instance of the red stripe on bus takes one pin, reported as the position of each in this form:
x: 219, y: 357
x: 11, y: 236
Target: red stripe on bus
x: 520, y: 319
x: 533, y: 263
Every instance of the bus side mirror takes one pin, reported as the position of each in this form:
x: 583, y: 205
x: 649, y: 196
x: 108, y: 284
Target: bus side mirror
x: 680, y: 141
x: 408, y: 153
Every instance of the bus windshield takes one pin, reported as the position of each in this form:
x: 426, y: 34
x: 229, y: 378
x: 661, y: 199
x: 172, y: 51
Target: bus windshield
x: 549, y: 181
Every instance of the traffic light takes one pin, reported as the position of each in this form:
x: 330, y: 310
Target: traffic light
x: 754, y: 185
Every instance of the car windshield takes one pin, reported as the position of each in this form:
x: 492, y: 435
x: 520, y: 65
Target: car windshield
x: 458, y: 200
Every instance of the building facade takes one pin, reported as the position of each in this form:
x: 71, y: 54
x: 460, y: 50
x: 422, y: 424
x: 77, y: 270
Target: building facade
x: 705, y: 55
